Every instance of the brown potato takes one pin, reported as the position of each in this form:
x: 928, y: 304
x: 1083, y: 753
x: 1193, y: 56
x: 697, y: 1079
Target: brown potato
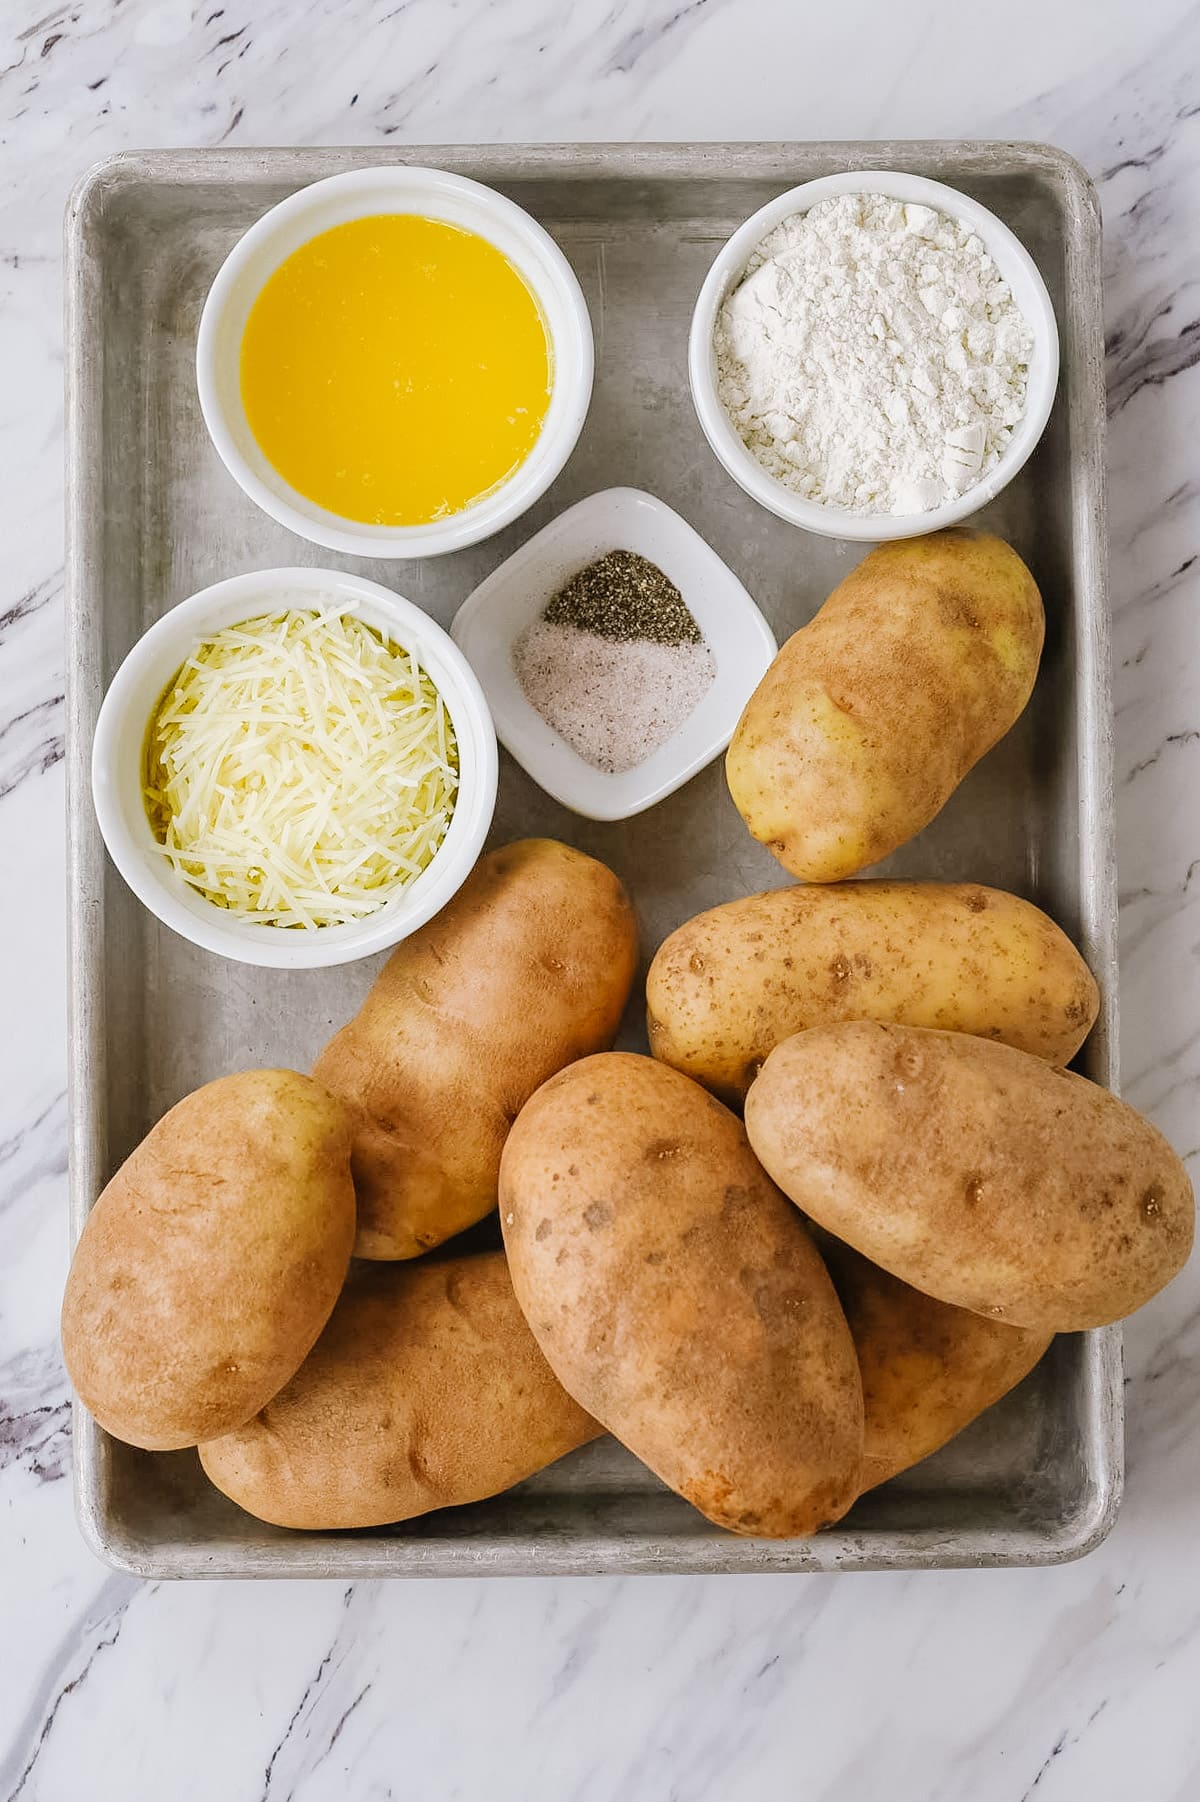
x: 678, y: 1297
x: 977, y: 1173
x: 529, y: 967
x: 927, y: 1369
x: 731, y: 984
x: 872, y: 714
x: 211, y: 1261
x: 425, y: 1390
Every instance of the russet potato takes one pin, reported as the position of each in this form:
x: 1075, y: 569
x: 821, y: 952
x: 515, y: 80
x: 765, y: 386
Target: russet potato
x: 426, y: 1390
x: 678, y: 1296
x: 732, y: 983
x: 529, y: 967
x: 927, y: 1369
x: 977, y: 1173
x: 212, y: 1260
x: 872, y: 714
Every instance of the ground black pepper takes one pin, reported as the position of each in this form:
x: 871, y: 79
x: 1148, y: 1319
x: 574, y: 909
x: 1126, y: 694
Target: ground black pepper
x: 624, y: 597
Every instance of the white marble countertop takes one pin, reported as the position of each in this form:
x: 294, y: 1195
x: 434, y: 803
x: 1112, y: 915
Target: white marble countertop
x: 1072, y: 1683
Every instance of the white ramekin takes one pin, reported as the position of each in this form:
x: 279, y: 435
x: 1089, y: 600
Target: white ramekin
x: 119, y: 748
x: 435, y: 194
x: 1014, y: 263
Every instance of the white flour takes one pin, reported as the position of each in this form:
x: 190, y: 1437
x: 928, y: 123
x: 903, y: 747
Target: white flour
x: 873, y: 357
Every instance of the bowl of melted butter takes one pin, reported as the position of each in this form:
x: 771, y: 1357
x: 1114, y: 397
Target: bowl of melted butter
x: 395, y: 362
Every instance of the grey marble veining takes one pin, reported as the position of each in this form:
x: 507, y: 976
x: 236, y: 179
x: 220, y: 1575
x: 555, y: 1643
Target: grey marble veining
x: 977, y: 1687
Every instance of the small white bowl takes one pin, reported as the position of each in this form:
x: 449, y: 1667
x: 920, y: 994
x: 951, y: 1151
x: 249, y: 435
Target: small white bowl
x: 513, y: 596
x: 434, y: 194
x: 1015, y: 265
x: 119, y: 747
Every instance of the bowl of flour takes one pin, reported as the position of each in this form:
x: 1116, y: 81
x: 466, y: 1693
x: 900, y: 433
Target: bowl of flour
x: 873, y: 355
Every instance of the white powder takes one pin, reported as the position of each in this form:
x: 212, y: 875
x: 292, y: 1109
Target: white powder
x: 614, y: 701
x: 873, y: 357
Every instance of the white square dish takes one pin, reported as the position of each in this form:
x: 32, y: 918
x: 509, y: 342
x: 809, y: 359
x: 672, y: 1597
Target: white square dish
x: 492, y: 618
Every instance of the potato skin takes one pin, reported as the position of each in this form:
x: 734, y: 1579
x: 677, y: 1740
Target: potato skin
x: 872, y: 714
x: 211, y: 1261
x: 731, y: 984
x: 927, y: 1369
x: 529, y: 967
x: 678, y: 1298
x: 426, y: 1390
x: 977, y: 1173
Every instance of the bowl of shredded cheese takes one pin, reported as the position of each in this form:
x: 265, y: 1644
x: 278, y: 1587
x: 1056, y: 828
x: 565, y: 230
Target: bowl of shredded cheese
x: 294, y: 768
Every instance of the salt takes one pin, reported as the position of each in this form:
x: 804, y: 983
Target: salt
x: 614, y: 701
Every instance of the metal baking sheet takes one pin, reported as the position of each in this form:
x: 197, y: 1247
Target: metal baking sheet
x: 153, y: 516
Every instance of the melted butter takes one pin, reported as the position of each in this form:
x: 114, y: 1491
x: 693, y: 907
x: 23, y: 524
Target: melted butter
x: 395, y: 369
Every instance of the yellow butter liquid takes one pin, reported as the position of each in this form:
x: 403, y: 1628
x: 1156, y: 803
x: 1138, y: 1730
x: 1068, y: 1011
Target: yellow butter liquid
x: 396, y: 369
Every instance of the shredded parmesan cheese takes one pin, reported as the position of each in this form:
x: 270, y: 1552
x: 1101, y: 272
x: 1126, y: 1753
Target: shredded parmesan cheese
x: 300, y: 769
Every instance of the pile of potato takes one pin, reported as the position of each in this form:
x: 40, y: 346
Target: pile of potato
x: 773, y: 1312
x: 212, y: 1300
